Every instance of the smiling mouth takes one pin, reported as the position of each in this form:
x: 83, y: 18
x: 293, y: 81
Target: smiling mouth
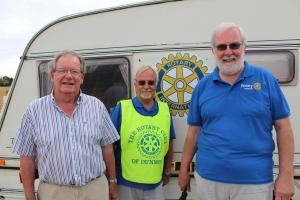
x: 229, y: 58
x: 147, y: 90
x: 67, y: 83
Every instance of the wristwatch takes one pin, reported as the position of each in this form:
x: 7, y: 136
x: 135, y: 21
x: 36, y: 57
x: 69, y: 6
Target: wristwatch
x: 113, y: 181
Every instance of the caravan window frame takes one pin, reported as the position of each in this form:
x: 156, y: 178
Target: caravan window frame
x: 96, y: 81
x: 268, y: 59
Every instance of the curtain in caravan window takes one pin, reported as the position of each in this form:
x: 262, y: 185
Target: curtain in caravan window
x: 45, y: 79
x: 124, y: 71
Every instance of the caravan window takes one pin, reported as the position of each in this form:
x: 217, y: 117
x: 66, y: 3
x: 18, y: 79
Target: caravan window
x: 106, y: 79
x: 280, y: 63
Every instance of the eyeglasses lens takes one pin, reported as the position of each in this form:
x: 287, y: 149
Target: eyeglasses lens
x: 65, y: 71
x: 143, y: 82
x: 232, y: 46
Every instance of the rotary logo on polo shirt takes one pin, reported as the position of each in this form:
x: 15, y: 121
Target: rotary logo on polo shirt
x: 255, y: 86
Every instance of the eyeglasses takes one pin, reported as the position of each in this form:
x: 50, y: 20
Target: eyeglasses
x: 232, y: 46
x: 73, y: 72
x: 143, y: 82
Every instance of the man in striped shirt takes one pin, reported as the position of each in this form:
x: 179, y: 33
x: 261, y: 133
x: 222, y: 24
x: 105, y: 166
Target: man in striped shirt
x: 68, y: 137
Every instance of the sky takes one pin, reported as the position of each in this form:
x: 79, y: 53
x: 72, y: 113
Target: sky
x: 21, y: 19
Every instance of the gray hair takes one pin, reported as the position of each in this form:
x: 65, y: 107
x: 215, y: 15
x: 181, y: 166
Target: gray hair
x: 225, y: 26
x: 145, y: 68
x: 52, y: 63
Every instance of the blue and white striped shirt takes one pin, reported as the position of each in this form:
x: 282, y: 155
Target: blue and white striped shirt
x: 68, y: 150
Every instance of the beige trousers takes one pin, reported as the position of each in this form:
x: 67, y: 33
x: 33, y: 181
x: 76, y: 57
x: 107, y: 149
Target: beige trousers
x: 208, y: 190
x: 128, y: 193
x: 95, y: 190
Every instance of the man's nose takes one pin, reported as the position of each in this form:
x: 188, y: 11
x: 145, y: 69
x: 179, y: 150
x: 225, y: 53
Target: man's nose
x: 68, y: 74
x: 228, y: 51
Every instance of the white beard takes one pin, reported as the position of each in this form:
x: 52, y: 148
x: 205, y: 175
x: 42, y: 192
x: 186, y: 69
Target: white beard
x: 230, y: 70
x: 146, y: 96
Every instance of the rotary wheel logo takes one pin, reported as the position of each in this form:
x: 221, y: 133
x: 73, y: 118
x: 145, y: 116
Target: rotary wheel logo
x: 149, y: 145
x: 177, y: 77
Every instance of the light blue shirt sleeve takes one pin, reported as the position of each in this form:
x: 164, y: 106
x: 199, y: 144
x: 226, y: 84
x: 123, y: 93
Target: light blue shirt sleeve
x: 23, y: 143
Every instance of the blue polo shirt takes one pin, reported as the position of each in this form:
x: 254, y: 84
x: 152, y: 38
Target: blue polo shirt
x: 116, y: 118
x: 235, y: 144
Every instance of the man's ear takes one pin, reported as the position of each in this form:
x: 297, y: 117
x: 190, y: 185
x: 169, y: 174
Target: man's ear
x: 212, y: 50
x: 52, y: 75
x: 82, y: 78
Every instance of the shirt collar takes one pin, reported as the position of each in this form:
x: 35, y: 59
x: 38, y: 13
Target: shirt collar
x: 137, y: 102
x: 79, y: 99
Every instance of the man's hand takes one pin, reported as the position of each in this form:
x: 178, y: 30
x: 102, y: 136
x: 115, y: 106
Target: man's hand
x: 284, y: 184
x: 113, y: 195
x: 184, y: 181
x: 189, y: 150
x: 27, y: 171
x: 284, y: 187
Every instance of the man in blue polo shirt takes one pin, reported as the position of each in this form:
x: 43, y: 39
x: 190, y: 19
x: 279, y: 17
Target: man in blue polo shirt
x: 231, y: 116
x: 145, y: 150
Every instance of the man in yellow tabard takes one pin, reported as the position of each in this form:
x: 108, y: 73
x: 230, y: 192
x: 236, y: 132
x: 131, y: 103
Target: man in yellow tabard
x: 145, y: 151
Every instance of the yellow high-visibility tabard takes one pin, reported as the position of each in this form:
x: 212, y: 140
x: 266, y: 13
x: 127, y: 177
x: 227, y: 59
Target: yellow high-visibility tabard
x: 144, y: 143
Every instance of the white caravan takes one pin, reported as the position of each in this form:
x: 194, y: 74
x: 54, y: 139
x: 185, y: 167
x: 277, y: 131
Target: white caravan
x: 173, y: 37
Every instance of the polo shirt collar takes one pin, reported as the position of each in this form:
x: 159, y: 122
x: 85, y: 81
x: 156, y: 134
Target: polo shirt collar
x: 137, y: 103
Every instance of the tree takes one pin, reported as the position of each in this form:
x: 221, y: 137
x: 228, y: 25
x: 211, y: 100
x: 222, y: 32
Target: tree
x: 5, y: 81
